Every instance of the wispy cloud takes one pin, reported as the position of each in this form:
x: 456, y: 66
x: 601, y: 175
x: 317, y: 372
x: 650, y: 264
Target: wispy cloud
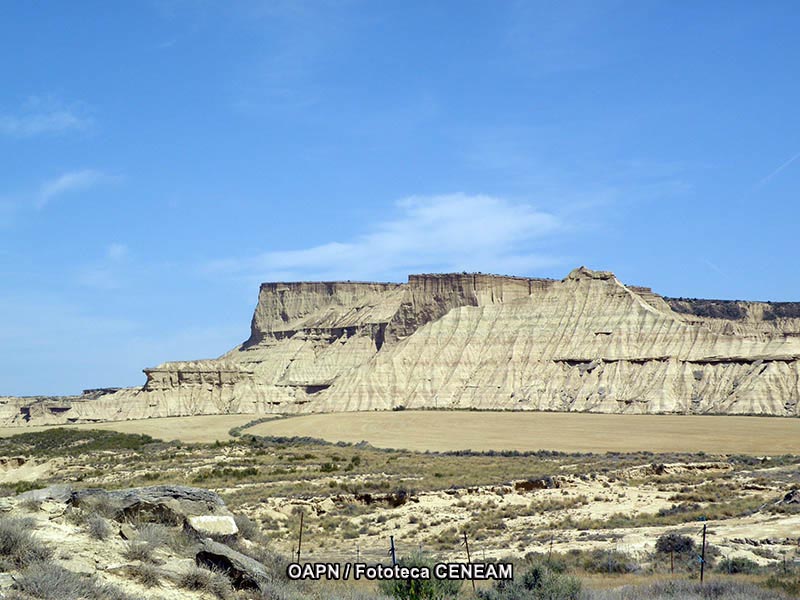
x: 71, y: 181
x: 454, y: 232
x: 41, y: 116
x: 775, y: 173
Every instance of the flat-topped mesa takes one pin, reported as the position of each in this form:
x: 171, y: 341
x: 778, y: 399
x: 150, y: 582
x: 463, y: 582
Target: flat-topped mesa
x: 429, y: 296
x: 472, y: 340
x: 345, y: 308
x: 285, y: 308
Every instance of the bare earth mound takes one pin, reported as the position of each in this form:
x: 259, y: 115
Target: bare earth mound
x: 483, y: 431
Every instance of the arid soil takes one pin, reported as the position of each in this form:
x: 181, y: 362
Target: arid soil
x: 564, y: 432
x: 510, y: 504
x: 198, y: 429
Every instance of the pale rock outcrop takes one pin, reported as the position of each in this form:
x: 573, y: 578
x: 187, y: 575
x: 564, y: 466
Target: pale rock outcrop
x: 584, y: 343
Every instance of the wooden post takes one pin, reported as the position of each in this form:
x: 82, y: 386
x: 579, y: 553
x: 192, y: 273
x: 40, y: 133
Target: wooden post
x: 672, y: 560
x: 469, y: 558
x: 300, y: 537
x: 550, y: 551
x: 392, y: 551
x: 703, y: 555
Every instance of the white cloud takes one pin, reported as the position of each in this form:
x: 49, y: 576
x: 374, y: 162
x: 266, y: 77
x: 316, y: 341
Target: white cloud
x: 441, y: 233
x: 70, y: 182
x: 41, y: 116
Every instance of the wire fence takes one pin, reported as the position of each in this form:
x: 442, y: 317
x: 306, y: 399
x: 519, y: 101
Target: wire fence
x: 385, y: 552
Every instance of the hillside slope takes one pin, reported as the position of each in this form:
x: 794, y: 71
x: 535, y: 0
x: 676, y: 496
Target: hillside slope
x: 585, y: 343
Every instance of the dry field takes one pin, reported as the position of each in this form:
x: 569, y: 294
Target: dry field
x: 592, y: 511
x: 530, y: 431
x: 199, y: 429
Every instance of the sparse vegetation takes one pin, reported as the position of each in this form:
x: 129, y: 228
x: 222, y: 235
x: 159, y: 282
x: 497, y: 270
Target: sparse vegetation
x: 688, y: 590
x: 147, y: 574
x: 211, y: 582
x: 47, y: 581
x: 62, y: 441
x: 355, y: 496
x: 136, y: 550
x: 419, y: 589
x: 539, y: 582
x: 18, y: 546
x: 98, y: 527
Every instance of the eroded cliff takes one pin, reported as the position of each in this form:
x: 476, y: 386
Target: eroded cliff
x: 585, y: 343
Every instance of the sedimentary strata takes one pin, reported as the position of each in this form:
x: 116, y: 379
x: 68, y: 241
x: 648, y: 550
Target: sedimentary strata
x: 584, y: 343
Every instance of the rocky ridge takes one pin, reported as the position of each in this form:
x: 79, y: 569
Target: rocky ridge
x: 473, y: 341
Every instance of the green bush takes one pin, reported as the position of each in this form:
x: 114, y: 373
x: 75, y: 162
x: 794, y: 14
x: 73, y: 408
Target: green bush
x: 608, y: 561
x: 60, y: 441
x: 738, y: 565
x: 538, y: 583
x: 673, y: 542
x: 419, y: 589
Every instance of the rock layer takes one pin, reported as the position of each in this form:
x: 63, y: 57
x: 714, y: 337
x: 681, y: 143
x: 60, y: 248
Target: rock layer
x: 585, y: 343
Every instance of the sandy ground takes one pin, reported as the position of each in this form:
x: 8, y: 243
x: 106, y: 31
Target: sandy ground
x: 203, y: 429
x: 567, y: 432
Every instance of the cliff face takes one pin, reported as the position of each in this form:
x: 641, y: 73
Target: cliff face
x: 585, y: 343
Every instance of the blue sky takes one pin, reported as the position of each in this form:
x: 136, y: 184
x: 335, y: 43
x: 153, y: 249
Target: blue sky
x: 160, y: 159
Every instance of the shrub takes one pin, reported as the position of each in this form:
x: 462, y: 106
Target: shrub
x: 18, y: 546
x: 686, y: 590
x: 419, y: 589
x: 247, y: 527
x: 154, y: 535
x: 608, y: 561
x: 146, y: 574
x: 98, y: 527
x: 30, y: 505
x: 61, y: 441
x: 673, y: 542
x: 786, y: 582
x: 537, y: 583
x: 210, y: 582
x: 137, y: 550
x: 738, y: 564
x: 274, y: 562
x: 47, y: 581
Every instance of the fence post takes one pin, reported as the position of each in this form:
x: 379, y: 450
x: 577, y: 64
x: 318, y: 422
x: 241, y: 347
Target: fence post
x: 703, y: 556
x: 469, y: 558
x: 300, y: 537
x: 392, y: 551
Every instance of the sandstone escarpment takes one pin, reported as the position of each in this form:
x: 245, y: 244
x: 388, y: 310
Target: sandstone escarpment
x: 585, y: 343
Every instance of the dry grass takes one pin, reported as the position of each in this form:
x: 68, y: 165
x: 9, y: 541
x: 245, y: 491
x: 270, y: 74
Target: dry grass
x: 567, y: 432
x: 200, y: 429
x: 18, y: 546
x: 47, y: 581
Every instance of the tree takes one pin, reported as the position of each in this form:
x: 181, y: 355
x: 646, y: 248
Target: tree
x: 674, y: 543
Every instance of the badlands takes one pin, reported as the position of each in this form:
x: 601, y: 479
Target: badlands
x: 586, y: 343
x: 422, y: 415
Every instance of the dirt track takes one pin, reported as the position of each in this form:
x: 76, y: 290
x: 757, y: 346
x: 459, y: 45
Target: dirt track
x: 568, y: 432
